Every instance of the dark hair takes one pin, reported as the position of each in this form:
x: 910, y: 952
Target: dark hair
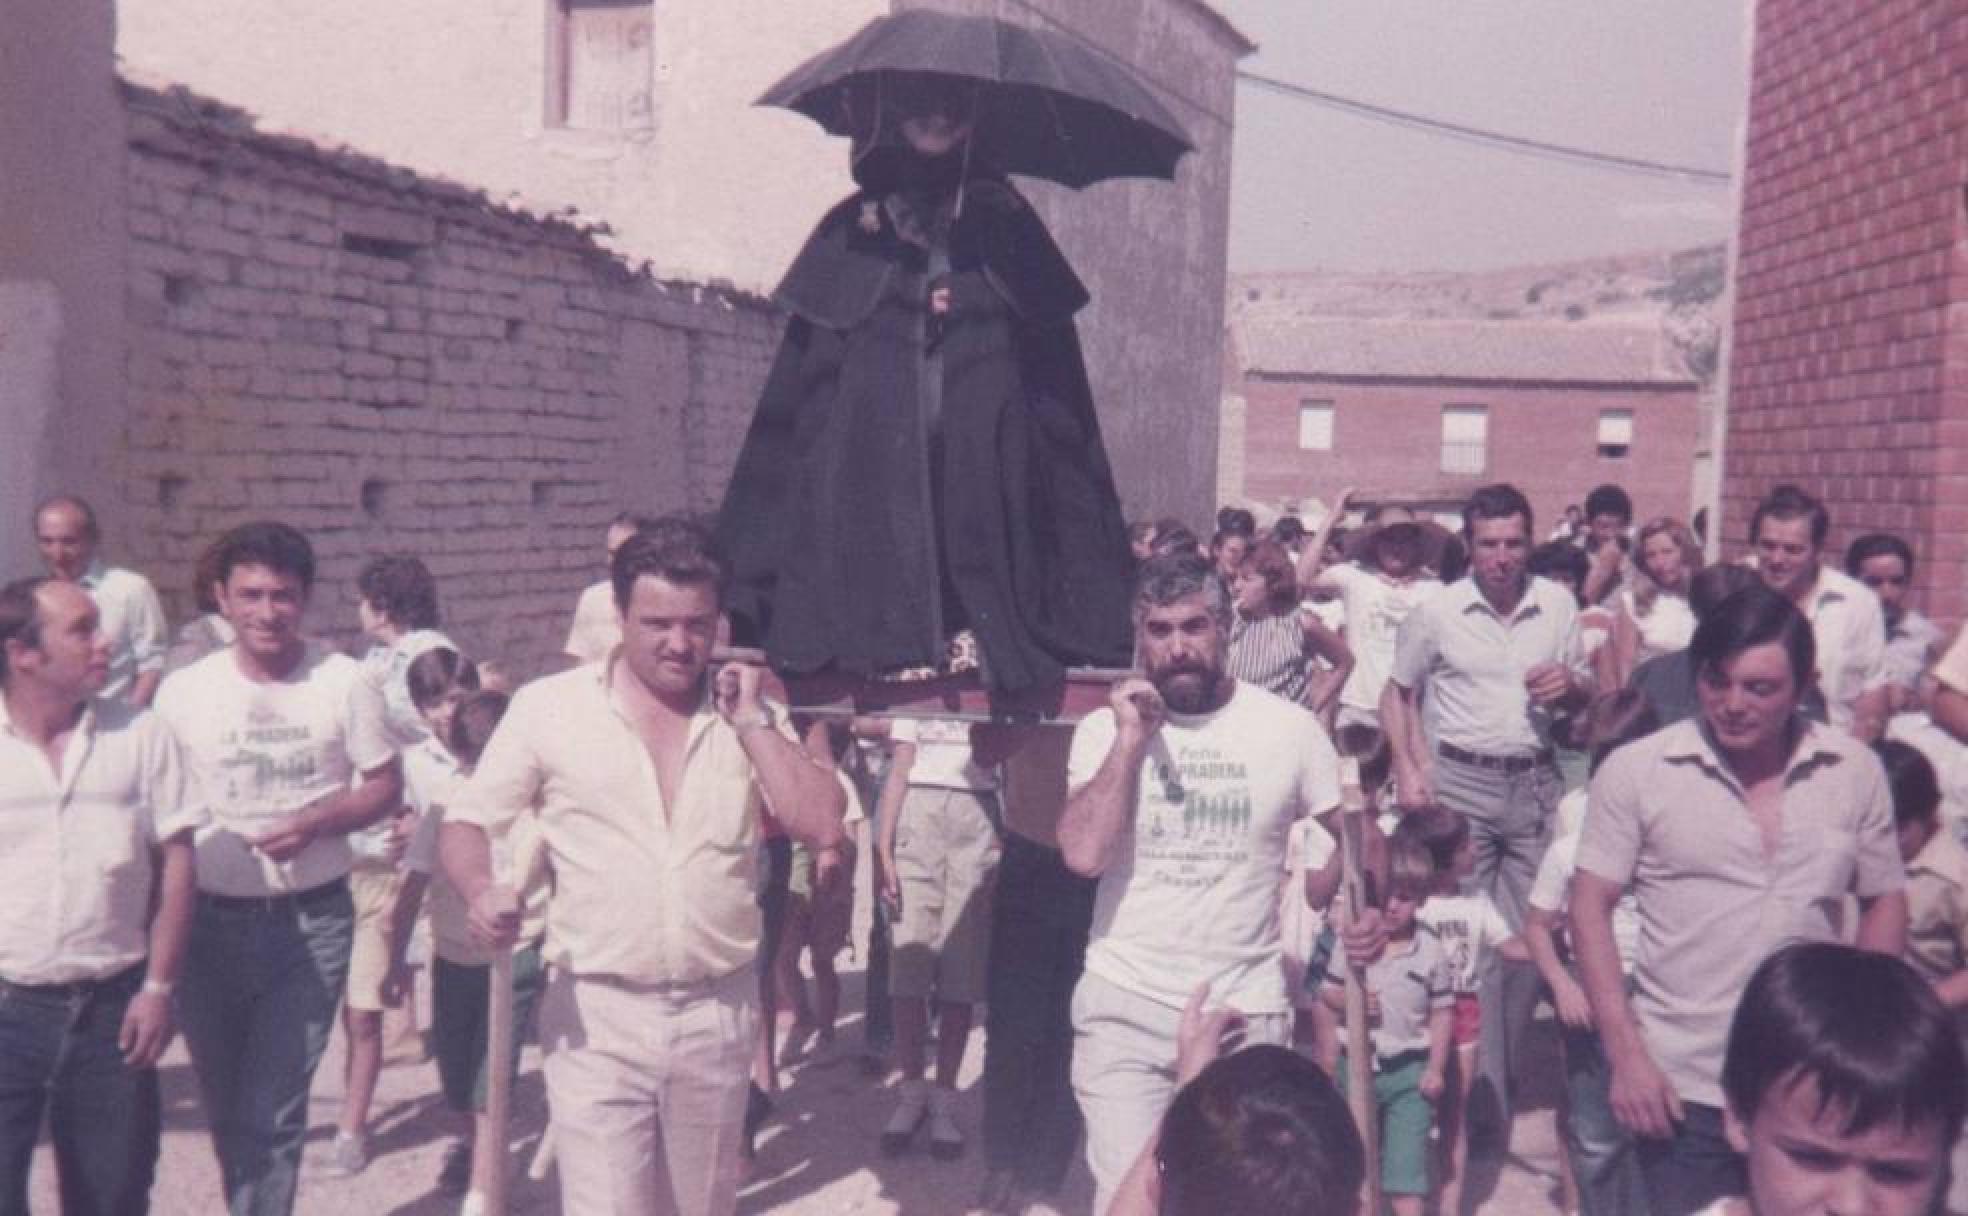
x: 1402, y: 540
x: 1167, y: 577
x: 1608, y: 499
x: 1916, y: 788
x: 437, y: 672
x: 1500, y: 501
x: 1616, y: 719
x: 1274, y: 565
x: 1710, y: 585
x: 675, y: 549
x: 1865, y: 1029
x: 626, y: 519
x: 1236, y: 519
x: 1259, y: 1130
x: 1288, y: 530
x: 1751, y: 617
x: 1791, y: 502
x: 1411, y: 867
x: 1141, y: 531
x: 1453, y: 561
x: 1437, y: 829
x: 473, y: 722
x: 20, y: 615
x: 1877, y: 544
x: 79, y: 505
x: 205, y: 579
x: 277, y: 546
x: 1557, y: 557
x: 402, y: 589
x: 1224, y: 536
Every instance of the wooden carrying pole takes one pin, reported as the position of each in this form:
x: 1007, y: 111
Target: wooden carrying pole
x: 1359, y: 1044
x: 529, y: 867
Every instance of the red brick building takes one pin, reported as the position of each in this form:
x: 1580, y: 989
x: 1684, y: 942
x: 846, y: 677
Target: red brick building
x: 1425, y: 411
x: 1849, y: 360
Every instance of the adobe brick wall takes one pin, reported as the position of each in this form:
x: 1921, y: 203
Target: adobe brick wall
x: 1543, y: 438
x: 1849, y: 369
x: 392, y: 364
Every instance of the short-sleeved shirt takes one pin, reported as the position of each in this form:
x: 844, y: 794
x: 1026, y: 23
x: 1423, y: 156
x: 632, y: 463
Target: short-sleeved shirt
x: 1472, y: 662
x: 1191, y: 895
x: 132, y: 620
x: 943, y: 756
x: 1375, y: 609
x: 259, y: 751
x: 1910, y: 645
x: 389, y: 667
x: 432, y: 781
x: 1666, y: 816
x: 644, y: 892
x: 76, y: 873
x: 1937, y: 907
x: 1551, y: 889
x: 1468, y: 927
x: 1850, y: 631
x: 1411, y: 982
x: 597, y: 627
x: 1952, y: 669
x: 1666, y: 626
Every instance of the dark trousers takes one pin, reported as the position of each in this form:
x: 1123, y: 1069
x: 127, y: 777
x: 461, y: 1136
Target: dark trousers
x: 878, y: 1018
x: 1692, y: 1168
x: 59, y: 1061
x: 1038, y: 943
x: 1602, y: 1152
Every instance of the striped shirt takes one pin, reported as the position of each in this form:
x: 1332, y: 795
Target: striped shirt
x: 1270, y: 653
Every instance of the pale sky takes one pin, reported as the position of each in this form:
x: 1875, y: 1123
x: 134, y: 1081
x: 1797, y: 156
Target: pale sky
x: 1312, y: 187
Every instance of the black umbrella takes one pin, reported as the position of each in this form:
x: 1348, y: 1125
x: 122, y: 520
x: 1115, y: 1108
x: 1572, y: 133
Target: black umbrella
x: 1046, y: 105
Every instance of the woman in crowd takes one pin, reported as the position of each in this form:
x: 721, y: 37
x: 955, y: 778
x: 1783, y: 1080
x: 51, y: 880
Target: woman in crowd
x: 1651, y: 616
x: 1273, y: 644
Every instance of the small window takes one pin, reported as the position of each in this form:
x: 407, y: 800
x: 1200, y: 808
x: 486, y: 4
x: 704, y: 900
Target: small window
x: 601, y: 65
x: 1615, y: 434
x: 1465, y: 438
x: 1315, y: 426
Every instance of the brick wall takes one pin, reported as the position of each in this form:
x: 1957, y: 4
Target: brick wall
x: 1849, y: 367
x: 392, y: 364
x: 1387, y: 442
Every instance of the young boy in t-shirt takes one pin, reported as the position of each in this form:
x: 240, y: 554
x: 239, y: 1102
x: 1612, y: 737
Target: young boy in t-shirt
x: 1470, y: 929
x: 1410, y: 1003
x: 1844, y: 1086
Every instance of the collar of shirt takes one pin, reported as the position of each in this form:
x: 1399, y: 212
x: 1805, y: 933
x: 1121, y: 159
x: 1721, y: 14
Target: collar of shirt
x: 92, y: 577
x: 1473, y: 600
x: 76, y: 750
x: 701, y: 718
x: 1696, y: 744
x: 1943, y: 857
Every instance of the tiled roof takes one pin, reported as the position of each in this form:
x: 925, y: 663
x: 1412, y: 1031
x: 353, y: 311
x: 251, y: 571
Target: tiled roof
x: 1569, y: 352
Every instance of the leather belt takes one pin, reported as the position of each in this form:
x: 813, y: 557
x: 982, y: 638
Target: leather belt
x: 273, y: 905
x: 1496, y: 764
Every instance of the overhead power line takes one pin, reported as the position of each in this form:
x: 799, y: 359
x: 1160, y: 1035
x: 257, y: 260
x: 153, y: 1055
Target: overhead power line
x: 1479, y: 135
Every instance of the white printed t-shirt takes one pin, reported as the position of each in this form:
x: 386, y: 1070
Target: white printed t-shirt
x: 432, y: 781
x: 1192, y: 892
x: 943, y: 756
x: 1469, y: 928
x: 259, y: 752
x: 1375, y: 608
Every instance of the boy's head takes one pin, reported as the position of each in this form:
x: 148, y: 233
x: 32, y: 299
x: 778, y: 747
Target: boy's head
x: 1845, y: 1084
x: 473, y: 723
x: 1410, y: 878
x: 1259, y: 1130
x: 1562, y: 563
x: 1916, y: 794
x: 440, y: 679
x: 1445, y: 835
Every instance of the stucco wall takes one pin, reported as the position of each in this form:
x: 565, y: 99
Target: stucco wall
x: 718, y: 190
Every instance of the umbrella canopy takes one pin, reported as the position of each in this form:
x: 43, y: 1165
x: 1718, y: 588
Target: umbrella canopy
x: 1046, y: 105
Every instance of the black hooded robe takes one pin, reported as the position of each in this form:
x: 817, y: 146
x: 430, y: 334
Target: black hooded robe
x: 904, y: 478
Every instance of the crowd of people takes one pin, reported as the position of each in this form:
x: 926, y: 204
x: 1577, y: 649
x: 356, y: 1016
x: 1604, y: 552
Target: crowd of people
x: 1704, y: 812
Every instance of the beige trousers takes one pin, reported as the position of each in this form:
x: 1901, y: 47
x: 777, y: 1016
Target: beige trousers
x: 647, y: 1088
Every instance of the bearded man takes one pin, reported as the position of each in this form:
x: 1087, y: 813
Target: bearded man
x: 1182, y: 794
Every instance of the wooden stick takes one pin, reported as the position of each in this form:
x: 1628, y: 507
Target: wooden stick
x: 529, y: 868
x: 1359, y: 1044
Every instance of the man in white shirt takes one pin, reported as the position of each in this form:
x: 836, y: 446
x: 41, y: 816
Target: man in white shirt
x: 287, y: 743
x: 67, y: 535
x: 1490, y: 654
x: 597, y: 627
x: 1788, y: 533
x: 649, y: 780
x: 1379, y: 593
x: 96, y: 893
x: 1182, y: 796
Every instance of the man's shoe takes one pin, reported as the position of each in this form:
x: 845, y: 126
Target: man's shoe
x: 946, y: 1139
x: 907, y: 1119
x: 454, y: 1175
x: 347, y: 1156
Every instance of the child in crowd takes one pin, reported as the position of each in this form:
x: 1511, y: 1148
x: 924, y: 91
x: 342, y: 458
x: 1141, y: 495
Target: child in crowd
x: 819, y: 913
x: 1469, y: 928
x: 1598, y: 1151
x: 1845, y: 1087
x: 461, y: 722
x: 1411, y: 1003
